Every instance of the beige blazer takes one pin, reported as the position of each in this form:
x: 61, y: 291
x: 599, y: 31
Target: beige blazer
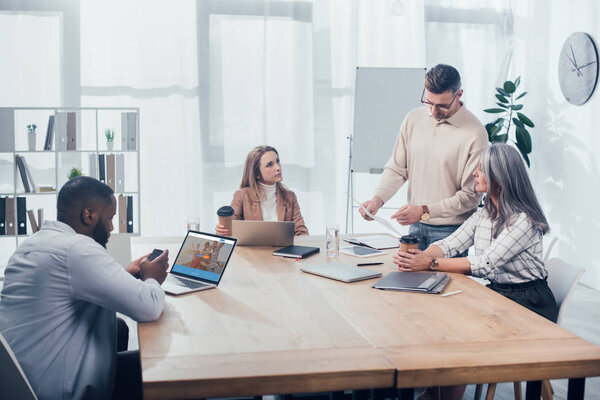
x: 287, y: 209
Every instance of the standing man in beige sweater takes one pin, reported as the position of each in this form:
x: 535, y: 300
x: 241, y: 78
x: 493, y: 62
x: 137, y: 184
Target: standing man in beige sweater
x: 437, y: 151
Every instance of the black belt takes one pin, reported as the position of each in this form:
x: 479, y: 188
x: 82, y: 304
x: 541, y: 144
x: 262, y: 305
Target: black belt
x: 516, y: 286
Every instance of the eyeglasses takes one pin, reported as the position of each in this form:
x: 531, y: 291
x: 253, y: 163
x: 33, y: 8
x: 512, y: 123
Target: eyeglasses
x: 442, y: 106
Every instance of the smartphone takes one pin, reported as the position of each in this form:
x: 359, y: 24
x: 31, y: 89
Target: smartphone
x: 155, y: 253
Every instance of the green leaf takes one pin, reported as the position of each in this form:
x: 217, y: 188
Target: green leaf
x: 523, y: 139
x: 502, y: 105
x: 517, y: 81
x: 501, y: 98
x: 501, y: 138
x: 521, y: 95
x: 523, y: 153
x: 525, y: 120
x: 503, y: 92
x: 518, y: 123
x: 509, y: 87
x: 516, y: 107
x: 493, y: 110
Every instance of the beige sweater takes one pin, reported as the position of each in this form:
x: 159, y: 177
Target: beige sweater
x: 438, y: 159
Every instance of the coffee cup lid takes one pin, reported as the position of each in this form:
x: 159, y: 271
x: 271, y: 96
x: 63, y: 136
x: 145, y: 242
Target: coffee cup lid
x: 225, y: 211
x: 409, y: 239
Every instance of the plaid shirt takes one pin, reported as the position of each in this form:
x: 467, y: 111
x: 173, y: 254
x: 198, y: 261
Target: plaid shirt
x: 515, y: 256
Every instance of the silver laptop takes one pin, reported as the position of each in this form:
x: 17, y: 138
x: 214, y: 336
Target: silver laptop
x: 340, y: 272
x: 200, y: 263
x: 263, y: 233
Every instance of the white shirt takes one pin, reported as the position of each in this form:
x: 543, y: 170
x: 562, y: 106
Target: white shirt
x: 515, y: 256
x: 57, y: 312
x: 269, y: 204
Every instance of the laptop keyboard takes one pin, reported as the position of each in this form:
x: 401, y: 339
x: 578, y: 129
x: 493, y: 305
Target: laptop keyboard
x: 186, y: 283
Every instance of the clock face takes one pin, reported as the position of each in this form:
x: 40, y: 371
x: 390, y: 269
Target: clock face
x: 578, y: 68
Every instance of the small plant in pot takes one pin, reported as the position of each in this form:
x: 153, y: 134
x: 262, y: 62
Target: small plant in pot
x: 31, y: 136
x: 74, y: 172
x: 110, y: 138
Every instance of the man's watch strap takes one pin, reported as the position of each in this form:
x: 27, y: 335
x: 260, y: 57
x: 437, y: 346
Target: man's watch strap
x: 433, y: 264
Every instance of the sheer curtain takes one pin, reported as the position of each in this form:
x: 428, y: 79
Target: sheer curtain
x: 214, y: 79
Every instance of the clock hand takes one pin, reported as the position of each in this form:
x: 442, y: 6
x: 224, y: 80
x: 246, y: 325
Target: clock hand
x: 586, y: 65
x: 574, y: 59
x: 575, y: 65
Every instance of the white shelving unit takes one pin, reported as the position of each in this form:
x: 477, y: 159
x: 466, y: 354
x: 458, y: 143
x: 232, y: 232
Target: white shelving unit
x: 51, y: 168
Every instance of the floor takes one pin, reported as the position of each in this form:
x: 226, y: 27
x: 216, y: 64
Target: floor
x: 582, y: 318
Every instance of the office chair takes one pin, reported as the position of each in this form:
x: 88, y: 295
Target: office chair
x: 562, y: 280
x: 119, y: 247
x: 549, y: 249
x: 13, y: 382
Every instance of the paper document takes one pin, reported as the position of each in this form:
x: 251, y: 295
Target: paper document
x: 382, y: 221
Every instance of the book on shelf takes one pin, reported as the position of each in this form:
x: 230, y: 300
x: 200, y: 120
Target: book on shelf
x: 26, y: 178
x: 122, y: 214
x: 110, y: 171
x: 120, y: 173
x: 129, y: 214
x: 7, y: 130
x: 32, y: 221
x: 32, y: 184
x: 129, y: 127
x: 21, y: 216
x: 60, y: 130
x: 49, y: 133
x: 101, y: 168
x: 40, y: 221
x: 71, y: 131
x: 46, y: 188
x: 93, y: 165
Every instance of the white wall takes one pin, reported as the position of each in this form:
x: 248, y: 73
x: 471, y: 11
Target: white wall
x: 565, y: 167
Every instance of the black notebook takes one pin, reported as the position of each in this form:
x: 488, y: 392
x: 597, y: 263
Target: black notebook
x: 423, y: 282
x: 296, y: 251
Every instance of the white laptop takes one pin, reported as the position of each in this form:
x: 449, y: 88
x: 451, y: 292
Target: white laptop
x: 200, y: 263
x: 263, y: 233
x: 340, y: 272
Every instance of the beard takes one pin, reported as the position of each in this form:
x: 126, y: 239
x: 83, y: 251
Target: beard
x: 100, y: 234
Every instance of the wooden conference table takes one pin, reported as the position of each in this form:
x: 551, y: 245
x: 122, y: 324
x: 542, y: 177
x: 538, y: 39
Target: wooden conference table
x: 270, y: 328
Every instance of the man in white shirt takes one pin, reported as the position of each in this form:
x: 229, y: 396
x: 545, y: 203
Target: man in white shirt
x: 437, y: 151
x: 61, y: 292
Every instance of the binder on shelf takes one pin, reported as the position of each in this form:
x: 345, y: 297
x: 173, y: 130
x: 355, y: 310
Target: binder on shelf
x: 110, y: 171
x: 23, y: 173
x: 10, y: 215
x: 32, y: 221
x: 49, y: 133
x: 2, y: 216
x: 120, y: 173
x: 60, y: 130
x: 129, y: 214
x: 32, y: 184
x: 93, y: 165
x: 7, y: 130
x: 123, y: 131
x: 40, y: 220
x: 122, y: 214
x: 132, y: 124
x: 71, y: 131
x: 21, y: 216
x: 101, y: 168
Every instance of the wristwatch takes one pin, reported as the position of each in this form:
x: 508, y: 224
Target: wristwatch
x: 433, y: 264
x: 425, y: 216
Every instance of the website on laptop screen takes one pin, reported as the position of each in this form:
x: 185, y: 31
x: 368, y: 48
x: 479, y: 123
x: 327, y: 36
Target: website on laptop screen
x: 203, y: 256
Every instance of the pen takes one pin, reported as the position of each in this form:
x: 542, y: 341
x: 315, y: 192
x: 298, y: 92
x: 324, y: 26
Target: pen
x: 365, y: 264
x: 451, y: 293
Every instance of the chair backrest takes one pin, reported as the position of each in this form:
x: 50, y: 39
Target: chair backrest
x: 13, y: 382
x: 562, y: 279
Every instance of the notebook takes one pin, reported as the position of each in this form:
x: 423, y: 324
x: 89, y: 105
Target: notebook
x: 200, y: 263
x: 423, y: 282
x: 263, y: 233
x: 296, y: 251
x: 360, y: 251
x: 340, y: 272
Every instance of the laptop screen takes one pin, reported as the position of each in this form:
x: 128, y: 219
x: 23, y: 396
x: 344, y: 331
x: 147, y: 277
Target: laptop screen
x: 203, y: 256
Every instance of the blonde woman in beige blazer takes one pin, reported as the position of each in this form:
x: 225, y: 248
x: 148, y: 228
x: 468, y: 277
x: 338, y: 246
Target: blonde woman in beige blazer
x: 262, y: 196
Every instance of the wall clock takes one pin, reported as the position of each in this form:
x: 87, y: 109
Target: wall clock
x: 578, y: 68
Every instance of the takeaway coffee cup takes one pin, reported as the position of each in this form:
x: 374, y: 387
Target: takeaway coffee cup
x: 409, y: 242
x: 225, y: 214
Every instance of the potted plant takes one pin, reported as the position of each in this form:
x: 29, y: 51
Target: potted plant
x: 512, y: 124
x: 74, y: 172
x: 31, y: 136
x: 110, y: 138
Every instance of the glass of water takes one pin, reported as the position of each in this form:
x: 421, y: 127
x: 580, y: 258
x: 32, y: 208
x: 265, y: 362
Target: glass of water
x: 193, y: 223
x: 332, y: 241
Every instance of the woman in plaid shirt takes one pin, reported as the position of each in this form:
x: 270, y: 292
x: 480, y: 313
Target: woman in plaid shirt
x: 506, y: 235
